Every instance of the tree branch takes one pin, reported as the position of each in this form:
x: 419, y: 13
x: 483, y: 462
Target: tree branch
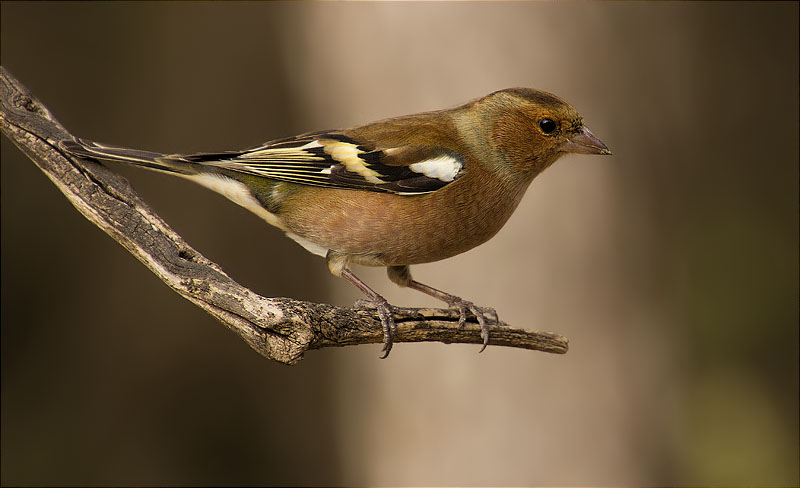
x: 281, y: 329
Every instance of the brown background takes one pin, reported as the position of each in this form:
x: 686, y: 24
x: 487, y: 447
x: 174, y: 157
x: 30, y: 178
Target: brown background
x: 671, y: 266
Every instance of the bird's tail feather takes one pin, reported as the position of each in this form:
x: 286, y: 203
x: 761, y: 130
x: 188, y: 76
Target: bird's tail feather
x: 147, y: 159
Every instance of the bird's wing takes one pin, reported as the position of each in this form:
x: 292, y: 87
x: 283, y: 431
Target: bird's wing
x: 329, y: 159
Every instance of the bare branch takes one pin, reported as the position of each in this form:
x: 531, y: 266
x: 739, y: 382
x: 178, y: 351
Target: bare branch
x: 281, y: 329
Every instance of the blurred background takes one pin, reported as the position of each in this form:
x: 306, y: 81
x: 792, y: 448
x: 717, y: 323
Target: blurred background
x: 671, y: 266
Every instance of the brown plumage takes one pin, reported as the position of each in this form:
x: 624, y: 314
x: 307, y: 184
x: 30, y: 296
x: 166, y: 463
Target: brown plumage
x: 396, y: 192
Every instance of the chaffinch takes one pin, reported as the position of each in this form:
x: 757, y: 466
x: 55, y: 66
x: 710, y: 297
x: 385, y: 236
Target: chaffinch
x: 396, y: 192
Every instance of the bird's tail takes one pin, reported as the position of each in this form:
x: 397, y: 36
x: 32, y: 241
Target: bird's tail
x: 152, y: 160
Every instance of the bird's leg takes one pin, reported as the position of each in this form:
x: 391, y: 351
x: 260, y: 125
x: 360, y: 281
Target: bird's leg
x: 337, y: 263
x: 462, y: 305
x: 401, y: 275
x: 384, y: 310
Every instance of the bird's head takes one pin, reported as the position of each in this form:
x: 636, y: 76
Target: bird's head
x: 531, y: 128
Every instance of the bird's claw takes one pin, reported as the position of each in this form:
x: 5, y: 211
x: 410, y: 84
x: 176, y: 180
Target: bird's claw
x: 386, y: 314
x: 480, y: 313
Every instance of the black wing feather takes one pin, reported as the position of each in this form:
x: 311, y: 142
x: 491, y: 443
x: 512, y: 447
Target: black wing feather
x: 334, y: 160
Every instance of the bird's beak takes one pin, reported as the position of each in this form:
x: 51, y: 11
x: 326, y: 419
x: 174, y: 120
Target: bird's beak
x: 584, y: 142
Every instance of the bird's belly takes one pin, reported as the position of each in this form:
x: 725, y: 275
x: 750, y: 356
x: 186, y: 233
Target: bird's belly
x: 382, y: 229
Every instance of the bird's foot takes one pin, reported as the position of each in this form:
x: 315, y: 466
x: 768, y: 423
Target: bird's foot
x: 480, y: 313
x: 402, y: 276
x: 386, y: 314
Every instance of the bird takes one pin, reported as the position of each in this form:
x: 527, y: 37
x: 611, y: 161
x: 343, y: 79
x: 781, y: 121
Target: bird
x: 393, y: 193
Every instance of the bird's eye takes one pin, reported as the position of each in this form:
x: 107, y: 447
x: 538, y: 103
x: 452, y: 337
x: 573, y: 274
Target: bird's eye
x: 547, y: 125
